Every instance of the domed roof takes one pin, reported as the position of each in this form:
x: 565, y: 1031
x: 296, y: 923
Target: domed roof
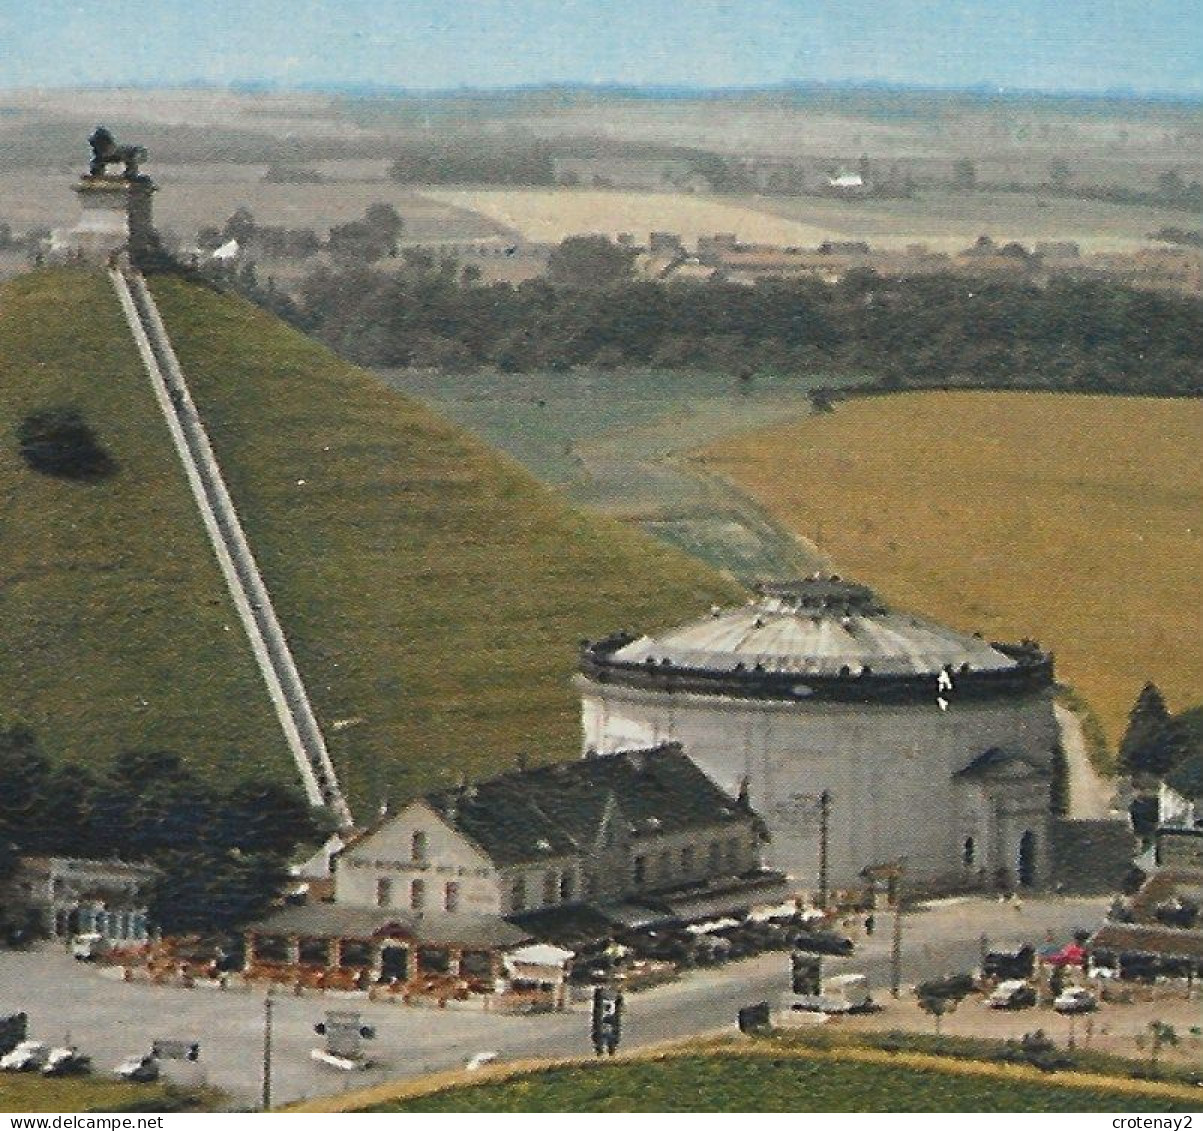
x: 822, y: 626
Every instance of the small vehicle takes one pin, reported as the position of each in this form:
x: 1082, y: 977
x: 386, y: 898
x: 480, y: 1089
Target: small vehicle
x: 28, y: 1056
x: 85, y: 948
x: 843, y: 993
x: 1076, y: 999
x: 139, y: 1069
x: 823, y: 942
x: 1001, y: 964
x: 1014, y: 994
x: 67, y: 1060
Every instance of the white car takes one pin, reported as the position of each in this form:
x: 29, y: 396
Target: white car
x: 1075, y: 999
x: 84, y: 948
x: 1012, y: 994
x: 28, y: 1056
x: 140, y: 1069
x: 67, y: 1060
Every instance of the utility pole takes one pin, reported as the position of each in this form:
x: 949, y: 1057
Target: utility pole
x: 267, y: 1051
x: 896, y: 950
x: 824, y: 845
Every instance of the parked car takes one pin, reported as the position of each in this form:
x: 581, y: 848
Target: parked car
x: 842, y: 993
x: 1001, y: 964
x: 86, y: 947
x: 1012, y: 994
x: 823, y: 942
x: 67, y: 1060
x: 28, y: 1056
x: 139, y: 1069
x: 1076, y: 999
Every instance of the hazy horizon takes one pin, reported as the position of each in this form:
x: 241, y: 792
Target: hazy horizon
x: 1083, y: 48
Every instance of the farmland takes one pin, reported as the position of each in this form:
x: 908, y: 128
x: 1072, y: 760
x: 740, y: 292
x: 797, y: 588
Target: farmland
x: 943, y: 220
x: 760, y: 1082
x: 611, y: 439
x: 1072, y: 519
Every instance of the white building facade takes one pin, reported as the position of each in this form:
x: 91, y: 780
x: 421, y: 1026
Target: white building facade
x: 817, y: 687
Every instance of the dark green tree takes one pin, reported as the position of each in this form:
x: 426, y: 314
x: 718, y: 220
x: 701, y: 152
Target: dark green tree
x: 589, y: 263
x: 1154, y: 741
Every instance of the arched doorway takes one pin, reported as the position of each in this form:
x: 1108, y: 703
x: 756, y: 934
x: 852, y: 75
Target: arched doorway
x: 1026, y: 869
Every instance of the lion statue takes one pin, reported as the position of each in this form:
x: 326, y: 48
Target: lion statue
x: 106, y: 151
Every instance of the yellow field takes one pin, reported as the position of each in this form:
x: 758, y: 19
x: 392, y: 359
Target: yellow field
x: 1075, y: 520
x: 947, y: 222
x: 548, y: 215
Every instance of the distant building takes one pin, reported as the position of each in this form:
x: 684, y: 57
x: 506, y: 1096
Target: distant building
x: 458, y: 877
x: 655, y: 173
x: 68, y: 896
x: 1180, y: 798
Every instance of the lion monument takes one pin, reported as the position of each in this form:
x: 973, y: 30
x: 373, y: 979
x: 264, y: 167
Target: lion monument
x: 106, y: 151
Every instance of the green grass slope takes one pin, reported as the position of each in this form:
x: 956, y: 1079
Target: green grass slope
x: 116, y: 631
x: 745, y: 1084
x: 434, y: 593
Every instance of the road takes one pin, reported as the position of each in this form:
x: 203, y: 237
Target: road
x: 1089, y: 793
x: 110, y: 1019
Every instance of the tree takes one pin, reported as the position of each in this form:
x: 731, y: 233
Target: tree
x: 589, y: 262
x: 964, y: 174
x: 935, y: 1006
x: 240, y: 226
x: 384, y: 225
x: 1161, y: 1035
x: 1154, y: 740
x: 1059, y: 173
x: 25, y: 776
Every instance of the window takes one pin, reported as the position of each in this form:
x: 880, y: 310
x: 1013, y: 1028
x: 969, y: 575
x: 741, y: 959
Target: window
x: 315, y: 952
x: 640, y: 871
x: 716, y: 856
x: 518, y: 896
x: 591, y: 887
x: 687, y: 860
x: 384, y: 893
x: 551, y: 887
x: 567, y: 887
x: 451, y: 896
x: 417, y: 847
x: 969, y: 852
x: 733, y: 855
x: 417, y: 895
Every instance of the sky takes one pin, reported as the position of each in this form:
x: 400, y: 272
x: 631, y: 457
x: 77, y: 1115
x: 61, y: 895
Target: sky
x: 1144, y: 46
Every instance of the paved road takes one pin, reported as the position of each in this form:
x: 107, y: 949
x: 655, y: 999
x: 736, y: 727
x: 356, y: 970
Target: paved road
x: 1089, y: 792
x: 111, y: 1019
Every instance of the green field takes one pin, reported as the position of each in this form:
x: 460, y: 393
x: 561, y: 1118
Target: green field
x: 1077, y: 520
x: 434, y: 593
x: 612, y: 440
x: 731, y: 1084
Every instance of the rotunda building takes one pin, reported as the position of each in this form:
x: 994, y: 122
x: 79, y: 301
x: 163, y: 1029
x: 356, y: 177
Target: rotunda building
x: 922, y: 744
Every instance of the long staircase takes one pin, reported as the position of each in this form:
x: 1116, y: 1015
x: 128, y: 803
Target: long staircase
x: 230, y: 545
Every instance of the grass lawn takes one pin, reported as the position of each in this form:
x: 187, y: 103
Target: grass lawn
x: 433, y: 591
x: 717, y: 1083
x: 21, y: 1092
x: 117, y: 631
x: 1076, y: 520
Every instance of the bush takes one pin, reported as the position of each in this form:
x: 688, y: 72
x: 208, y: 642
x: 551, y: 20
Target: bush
x: 57, y: 441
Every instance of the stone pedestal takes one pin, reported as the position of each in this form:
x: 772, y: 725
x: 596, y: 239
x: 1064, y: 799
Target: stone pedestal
x: 115, y: 215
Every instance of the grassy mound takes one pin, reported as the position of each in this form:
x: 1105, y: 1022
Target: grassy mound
x: 433, y: 592
x: 720, y: 1083
x: 117, y: 630
x: 1072, y: 519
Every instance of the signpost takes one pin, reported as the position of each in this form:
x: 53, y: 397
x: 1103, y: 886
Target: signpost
x: 606, y: 1029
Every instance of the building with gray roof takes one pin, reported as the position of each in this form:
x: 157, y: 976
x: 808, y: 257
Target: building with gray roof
x: 931, y: 744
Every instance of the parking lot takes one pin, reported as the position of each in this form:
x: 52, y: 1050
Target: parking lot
x: 111, y: 1019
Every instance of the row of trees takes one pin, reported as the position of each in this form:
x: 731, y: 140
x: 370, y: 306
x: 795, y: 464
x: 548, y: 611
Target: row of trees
x: 365, y: 240
x: 223, y: 850
x: 896, y: 333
